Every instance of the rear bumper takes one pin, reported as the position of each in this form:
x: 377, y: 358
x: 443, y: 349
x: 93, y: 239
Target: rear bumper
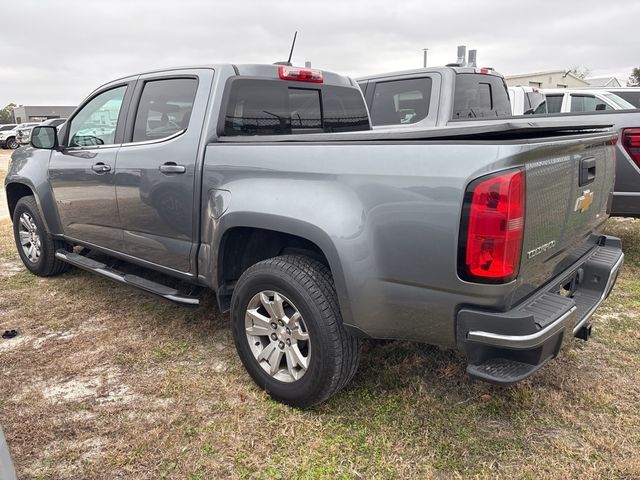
x: 506, y: 347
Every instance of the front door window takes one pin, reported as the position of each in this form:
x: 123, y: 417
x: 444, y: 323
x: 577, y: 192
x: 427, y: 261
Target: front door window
x: 96, y: 123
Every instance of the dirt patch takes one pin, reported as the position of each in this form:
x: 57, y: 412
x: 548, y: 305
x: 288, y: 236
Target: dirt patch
x: 10, y: 268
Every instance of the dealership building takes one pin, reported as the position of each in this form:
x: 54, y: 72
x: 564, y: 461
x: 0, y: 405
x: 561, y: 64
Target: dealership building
x: 27, y: 113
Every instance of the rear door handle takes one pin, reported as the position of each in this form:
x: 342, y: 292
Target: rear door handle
x: 101, y: 168
x: 172, y: 167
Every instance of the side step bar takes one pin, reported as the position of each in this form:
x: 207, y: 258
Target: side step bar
x: 149, y: 286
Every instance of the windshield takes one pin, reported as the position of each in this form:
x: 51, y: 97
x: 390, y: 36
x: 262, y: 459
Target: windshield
x: 7, y: 127
x: 631, y: 96
x: 620, y: 102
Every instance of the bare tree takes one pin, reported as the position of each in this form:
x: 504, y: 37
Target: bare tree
x: 580, y: 71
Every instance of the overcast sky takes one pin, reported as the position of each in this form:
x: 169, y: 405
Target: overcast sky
x: 56, y: 52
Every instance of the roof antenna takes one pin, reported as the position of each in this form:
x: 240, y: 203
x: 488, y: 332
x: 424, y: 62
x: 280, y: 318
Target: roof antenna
x: 288, y: 62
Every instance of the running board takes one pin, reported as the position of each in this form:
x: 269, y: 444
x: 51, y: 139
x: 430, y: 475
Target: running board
x: 149, y: 286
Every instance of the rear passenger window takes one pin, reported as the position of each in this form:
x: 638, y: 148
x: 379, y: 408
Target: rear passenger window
x: 588, y: 103
x: 274, y: 107
x: 400, y: 102
x: 164, y: 109
x: 480, y: 96
x: 554, y: 103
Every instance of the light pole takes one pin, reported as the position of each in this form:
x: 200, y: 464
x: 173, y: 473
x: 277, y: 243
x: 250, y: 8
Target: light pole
x: 425, y: 50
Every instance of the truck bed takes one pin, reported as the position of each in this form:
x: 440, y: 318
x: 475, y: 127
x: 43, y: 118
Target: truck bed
x: 510, y: 129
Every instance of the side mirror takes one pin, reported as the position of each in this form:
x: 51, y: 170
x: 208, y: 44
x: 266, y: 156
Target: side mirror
x: 44, y: 137
x: 600, y: 107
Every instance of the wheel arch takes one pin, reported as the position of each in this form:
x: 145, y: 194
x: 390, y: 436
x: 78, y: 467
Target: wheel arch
x: 15, y: 191
x: 276, y: 235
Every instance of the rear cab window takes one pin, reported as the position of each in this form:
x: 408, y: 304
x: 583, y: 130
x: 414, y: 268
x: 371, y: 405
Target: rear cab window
x: 275, y: 107
x: 478, y: 95
x: 400, y: 102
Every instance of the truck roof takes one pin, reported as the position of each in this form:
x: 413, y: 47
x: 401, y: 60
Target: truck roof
x: 248, y: 69
x: 487, y: 71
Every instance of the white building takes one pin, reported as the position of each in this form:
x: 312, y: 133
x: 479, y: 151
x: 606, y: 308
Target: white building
x: 549, y: 79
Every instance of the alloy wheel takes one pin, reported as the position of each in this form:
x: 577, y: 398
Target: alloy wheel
x: 277, y: 336
x: 29, y: 237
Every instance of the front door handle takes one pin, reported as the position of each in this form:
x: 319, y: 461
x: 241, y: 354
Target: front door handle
x: 172, y: 167
x: 101, y: 168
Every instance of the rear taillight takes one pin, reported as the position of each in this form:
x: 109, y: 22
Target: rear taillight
x: 631, y: 143
x: 300, y: 74
x: 492, y: 228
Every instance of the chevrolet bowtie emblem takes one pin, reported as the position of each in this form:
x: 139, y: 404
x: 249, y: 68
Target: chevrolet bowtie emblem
x: 584, y: 201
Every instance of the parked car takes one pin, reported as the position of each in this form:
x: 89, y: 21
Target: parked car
x: 630, y: 94
x: 23, y: 135
x: 527, y: 101
x: 435, y: 96
x: 4, y: 130
x: 561, y: 100
x: 8, y: 137
x: 315, y: 240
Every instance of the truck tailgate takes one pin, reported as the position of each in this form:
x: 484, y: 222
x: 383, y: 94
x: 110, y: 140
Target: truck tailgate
x: 568, y: 195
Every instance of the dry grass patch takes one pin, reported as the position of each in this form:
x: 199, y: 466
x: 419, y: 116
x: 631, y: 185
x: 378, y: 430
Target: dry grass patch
x: 104, y: 382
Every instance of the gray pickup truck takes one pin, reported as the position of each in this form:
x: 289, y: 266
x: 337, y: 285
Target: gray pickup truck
x: 447, y: 96
x: 266, y: 185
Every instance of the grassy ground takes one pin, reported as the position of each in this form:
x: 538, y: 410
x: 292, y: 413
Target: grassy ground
x: 104, y: 382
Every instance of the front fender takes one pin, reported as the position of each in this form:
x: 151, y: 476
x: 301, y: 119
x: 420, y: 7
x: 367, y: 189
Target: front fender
x: 30, y: 167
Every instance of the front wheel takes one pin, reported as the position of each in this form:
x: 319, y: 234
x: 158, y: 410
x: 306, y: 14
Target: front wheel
x: 36, y: 247
x: 288, y: 330
x: 12, y: 143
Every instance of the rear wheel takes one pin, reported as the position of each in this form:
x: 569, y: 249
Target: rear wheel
x: 12, y: 143
x: 288, y: 330
x: 37, y: 248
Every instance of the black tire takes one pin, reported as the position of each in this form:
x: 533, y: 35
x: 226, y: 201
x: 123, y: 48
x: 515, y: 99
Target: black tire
x: 46, y: 264
x: 334, y: 353
x: 12, y: 143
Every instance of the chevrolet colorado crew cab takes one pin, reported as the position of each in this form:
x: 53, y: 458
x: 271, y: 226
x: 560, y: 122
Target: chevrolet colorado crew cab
x: 266, y: 185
